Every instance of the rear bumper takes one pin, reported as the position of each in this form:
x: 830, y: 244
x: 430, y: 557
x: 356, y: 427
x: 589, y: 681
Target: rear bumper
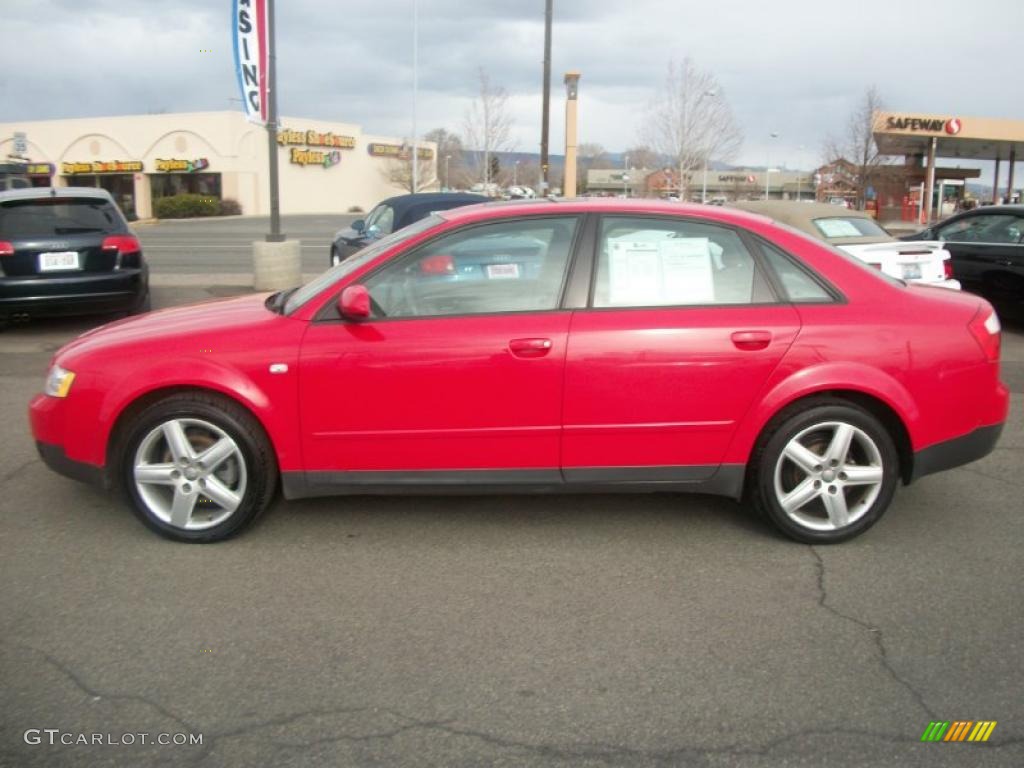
x: 956, y: 452
x: 78, y: 294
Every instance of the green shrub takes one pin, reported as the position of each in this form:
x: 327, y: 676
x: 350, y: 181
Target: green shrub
x: 229, y: 207
x: 185, y: 206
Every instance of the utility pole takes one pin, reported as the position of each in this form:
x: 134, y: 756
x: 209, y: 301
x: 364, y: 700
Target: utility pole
x: 547, y: 99
x: 415, y: 84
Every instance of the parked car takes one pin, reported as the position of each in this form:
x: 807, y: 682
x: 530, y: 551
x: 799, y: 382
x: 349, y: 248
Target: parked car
x: 648, y: 346
x: 68, y: 251
x: 391, y: 215
x: 987, y: 246
x: 857, y: 233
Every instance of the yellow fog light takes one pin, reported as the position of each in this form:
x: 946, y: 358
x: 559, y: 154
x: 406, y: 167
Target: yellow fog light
x: 58, y: 382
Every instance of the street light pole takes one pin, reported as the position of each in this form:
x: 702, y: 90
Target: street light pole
x: 447, y: 176
x: 704, y: 183
x: 415, y: 86
x: 768, y: 166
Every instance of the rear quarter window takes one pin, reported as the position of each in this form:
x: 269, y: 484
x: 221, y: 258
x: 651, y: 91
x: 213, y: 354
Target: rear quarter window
x: 54, y: 217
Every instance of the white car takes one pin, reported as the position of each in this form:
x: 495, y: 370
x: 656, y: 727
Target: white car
x: 858, y: 234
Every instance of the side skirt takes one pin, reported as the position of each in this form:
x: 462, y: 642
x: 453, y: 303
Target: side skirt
x: 725, y: 480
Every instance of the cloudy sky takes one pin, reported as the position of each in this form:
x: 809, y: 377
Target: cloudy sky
x: 795, y: 67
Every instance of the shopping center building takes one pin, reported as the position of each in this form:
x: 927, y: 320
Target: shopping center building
x: 324, y: 167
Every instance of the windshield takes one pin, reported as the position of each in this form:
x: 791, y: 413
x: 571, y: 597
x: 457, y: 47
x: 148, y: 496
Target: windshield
x: 347, y: 267
x: 836, y: 227
x: 382, y: 217
x: 50, y: 216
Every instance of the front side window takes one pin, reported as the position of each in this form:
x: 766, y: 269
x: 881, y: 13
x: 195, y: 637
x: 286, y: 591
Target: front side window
x: 645, y: 262
x: 508, y: 266
x: 990, y: 228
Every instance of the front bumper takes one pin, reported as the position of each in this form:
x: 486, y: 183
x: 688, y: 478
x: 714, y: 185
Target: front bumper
x: 956, y: 452
x: 55, y: 458
x: 74, y: 294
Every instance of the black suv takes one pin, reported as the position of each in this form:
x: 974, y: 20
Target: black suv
x: 68, y: 251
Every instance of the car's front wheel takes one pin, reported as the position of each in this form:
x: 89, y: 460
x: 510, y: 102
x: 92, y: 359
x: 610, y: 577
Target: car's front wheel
x: 825, y: 472
x: 335, y: 258
x: 197, y: 467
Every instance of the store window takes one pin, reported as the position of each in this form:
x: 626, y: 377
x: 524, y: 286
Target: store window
x: 168, y: 185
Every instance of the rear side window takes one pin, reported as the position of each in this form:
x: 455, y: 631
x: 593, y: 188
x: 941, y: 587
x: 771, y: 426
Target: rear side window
x: 798, y: 284
x: 648, y: 262
x: 55, y: 216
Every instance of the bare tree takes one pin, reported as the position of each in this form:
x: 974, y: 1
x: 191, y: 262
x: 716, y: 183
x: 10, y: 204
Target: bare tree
x: 690, y: 121
x: 588, y: 156
x: 856, y: 145
x: 488, y: 126
x: 450, y: 163
x: 643, y: 157
x: 397, y: 171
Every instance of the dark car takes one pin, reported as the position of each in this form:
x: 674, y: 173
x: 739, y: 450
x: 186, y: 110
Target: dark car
x: 68, y: 251
x: 391, y: 215
x: 987, y: 246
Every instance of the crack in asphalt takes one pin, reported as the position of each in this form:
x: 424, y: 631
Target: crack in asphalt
x: 602, y: 752
x: 877, y: 636
x: 17, y: 470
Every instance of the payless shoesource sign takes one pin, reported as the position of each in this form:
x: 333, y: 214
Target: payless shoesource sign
x: 108, y: 166
x: 313, y: 147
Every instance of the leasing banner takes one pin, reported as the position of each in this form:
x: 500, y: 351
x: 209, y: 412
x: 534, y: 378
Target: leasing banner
x: 249, y: 20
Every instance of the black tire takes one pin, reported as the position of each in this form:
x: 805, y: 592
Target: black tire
x: 335, y: 259
x: 143, y: 305
x: 253, y: 463
x: 815, y: 422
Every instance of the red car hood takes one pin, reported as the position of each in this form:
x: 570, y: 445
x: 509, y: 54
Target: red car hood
x: 206, y: 319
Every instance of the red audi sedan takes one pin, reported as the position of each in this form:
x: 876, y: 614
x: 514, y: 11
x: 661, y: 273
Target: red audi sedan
x: 560, y: 346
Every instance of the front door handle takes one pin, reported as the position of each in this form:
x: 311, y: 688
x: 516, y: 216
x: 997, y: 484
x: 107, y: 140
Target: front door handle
x: 751, y: 340
x: 530, y: 347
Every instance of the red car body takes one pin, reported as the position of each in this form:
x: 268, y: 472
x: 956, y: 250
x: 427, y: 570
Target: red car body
x: 658, y: 397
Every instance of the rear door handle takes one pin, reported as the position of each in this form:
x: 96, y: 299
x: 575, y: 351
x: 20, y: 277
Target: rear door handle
x: 530, y: 347
x: 751, y: 340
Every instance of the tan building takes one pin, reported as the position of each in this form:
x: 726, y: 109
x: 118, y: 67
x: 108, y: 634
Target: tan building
x: 324, y: 167
x: 738, y: 184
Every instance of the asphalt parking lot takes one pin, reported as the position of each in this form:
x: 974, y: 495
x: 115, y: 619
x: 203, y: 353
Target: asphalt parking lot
x: 657, y: 630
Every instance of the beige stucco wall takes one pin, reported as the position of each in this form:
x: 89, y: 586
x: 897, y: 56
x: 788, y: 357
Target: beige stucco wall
x: 234, y: 147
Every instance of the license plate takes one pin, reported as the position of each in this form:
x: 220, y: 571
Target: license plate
x: 58, y: 260
x: 911, y: 271
x: 502, y: 271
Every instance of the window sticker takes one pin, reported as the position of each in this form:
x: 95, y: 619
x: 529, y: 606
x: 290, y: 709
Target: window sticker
x: 837, y: 228
x: 660, y: 272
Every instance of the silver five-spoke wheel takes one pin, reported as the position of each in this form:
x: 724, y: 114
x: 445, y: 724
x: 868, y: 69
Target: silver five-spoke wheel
x: 828, y: 475
x: 189, y: 473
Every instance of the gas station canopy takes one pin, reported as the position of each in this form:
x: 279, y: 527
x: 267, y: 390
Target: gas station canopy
x: 975, y: 138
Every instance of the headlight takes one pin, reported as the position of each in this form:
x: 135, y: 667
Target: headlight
x: 58, y: 382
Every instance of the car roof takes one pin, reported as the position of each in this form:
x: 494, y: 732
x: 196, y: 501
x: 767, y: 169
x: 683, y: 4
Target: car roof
x: 981, y: 210
x: 607, y: 205
x: 802, y: 216
x: 423, y: 198
x: 36, y: 193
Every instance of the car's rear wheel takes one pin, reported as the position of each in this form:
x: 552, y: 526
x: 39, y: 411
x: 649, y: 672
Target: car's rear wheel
x: 197, y: 467
x: 825, y: 472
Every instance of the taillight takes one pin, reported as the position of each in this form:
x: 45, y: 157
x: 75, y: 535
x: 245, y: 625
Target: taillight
x: 986, y: 331
x: 122, y: 244
x: 947, y: 269
x: 6, y: 249
x: 438, y: 265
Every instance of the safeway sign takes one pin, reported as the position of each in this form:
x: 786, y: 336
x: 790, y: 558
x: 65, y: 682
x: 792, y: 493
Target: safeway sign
x: 249, y: 18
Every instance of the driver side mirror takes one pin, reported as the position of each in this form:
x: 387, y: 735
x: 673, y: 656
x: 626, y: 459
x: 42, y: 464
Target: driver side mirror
x: 354, y: 302
x: 359, y: 225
